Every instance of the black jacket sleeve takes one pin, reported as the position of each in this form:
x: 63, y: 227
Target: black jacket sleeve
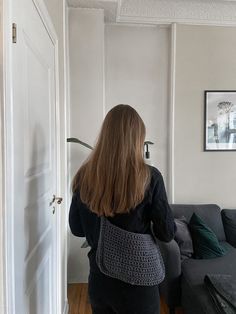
x: 164, y: 226
x: 75, y: 217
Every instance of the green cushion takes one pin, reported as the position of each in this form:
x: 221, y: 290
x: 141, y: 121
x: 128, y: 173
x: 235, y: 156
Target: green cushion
x: 205, y: 242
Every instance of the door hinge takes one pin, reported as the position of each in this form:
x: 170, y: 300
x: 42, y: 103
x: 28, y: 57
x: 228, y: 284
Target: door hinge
x: 14, y: 33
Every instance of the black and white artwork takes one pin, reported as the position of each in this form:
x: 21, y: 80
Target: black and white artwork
x: 220, y: 120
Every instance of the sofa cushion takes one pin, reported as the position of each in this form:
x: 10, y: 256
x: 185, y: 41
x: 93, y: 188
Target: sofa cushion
x: 195, y: 297
x: 205, y: 242
x: 229, y: 222
x: 183, y: 238
x: 210, y: 213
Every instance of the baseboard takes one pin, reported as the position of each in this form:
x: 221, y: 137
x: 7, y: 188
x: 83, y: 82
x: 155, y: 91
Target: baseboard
x: 66, y: 308
x: 77, y: 280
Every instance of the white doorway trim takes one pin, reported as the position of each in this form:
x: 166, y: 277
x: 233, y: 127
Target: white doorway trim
x: 66, y: 132
x: 2, y: 276
x: 7, y: 161
x: 171, y: 154
x: 7, y: 209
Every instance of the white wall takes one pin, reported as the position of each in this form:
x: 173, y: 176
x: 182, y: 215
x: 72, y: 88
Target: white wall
x: 137, y: 67
x: 136, y: 72
x: 205, y: 59
x: 86, y: 50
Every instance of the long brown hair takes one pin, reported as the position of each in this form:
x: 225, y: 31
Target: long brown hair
x: 114, y: 178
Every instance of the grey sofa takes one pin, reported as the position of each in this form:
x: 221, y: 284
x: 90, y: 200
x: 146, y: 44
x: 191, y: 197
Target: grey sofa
x: 184, y: 282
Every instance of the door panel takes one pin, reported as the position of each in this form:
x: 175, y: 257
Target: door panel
x: 37, y: 296
x: 34, y: 163
x: 37, y: 112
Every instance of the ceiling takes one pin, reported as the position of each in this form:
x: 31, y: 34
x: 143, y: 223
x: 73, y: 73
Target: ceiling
x: 215, y: 12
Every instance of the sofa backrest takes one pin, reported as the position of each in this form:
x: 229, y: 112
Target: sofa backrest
x: 209, y: 213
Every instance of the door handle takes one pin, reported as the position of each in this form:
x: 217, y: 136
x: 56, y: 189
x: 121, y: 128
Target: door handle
x: 57, y: 200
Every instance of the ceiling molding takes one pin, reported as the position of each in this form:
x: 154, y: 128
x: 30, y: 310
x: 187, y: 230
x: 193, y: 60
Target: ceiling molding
x: 201, y: 12
x: 164, y: 12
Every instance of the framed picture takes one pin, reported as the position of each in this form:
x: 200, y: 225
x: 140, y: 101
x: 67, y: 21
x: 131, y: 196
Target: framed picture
x: 220, y: 120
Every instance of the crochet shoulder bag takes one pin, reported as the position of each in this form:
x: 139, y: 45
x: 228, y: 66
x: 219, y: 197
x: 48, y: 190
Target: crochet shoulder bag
x: 134, y: 258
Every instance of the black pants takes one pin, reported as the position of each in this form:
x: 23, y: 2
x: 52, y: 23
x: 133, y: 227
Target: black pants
x: 112, y: 296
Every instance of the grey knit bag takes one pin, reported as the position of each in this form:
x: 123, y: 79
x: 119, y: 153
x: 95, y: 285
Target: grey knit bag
x: 134, y: 258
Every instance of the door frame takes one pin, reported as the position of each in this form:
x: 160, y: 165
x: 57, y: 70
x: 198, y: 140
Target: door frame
x: 66, y: 114
x: 2, y: 265
x: 66, y: 65
x: 7, y: 157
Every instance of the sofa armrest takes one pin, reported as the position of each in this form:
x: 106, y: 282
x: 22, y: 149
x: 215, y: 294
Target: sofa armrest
x: 170, y: 287
x: 229, y: 222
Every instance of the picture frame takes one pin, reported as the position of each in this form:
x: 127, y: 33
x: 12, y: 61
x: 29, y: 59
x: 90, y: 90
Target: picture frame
x: 220, y: 120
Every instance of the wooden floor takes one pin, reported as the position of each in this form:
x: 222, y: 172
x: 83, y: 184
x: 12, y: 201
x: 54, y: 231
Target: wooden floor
x: 79, y: 303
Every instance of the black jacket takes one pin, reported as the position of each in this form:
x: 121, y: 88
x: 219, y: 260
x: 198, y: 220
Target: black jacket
x: 153, y: 210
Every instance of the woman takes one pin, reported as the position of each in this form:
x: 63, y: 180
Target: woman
x: 116, y: 183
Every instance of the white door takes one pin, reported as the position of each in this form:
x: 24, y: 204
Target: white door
x: 34, y: 163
